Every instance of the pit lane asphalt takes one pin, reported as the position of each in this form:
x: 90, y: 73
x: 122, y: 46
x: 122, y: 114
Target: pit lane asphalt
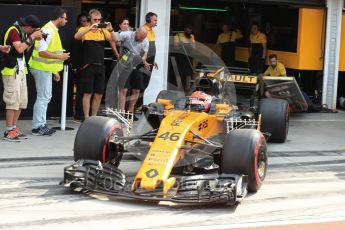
x: 305, y: 181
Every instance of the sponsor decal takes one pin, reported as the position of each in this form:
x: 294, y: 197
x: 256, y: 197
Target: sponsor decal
x: 152, y: 173
x: 243, y: 78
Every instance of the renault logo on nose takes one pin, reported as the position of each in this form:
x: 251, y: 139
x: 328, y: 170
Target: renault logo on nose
x: 151, y: 173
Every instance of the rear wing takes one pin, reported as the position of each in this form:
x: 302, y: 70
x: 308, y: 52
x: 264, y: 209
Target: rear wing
x: 286, y: 88
x: 231, y: 78
x: 228, y: 74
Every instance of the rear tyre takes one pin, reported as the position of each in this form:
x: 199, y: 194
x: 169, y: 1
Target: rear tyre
x: 92, y: 139
x: 245, y: 153
x: 275, y: 118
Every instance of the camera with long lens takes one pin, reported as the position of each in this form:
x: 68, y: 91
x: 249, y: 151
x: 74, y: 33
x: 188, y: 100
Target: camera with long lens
x: 44, y: 36
x: 102, y: 25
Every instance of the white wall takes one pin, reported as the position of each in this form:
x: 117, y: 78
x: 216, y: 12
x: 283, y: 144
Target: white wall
x: 332, y: 53
x: 159, y: 77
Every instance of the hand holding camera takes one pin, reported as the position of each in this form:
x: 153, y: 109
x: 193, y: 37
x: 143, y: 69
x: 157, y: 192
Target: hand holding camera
x: 106, y: 25
x: 44, y: 36
x: 109, y: 27
x: 93, y: 26
x: 37, y: 35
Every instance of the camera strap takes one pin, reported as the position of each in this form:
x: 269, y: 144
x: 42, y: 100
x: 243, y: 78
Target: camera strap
x: 20, y: 30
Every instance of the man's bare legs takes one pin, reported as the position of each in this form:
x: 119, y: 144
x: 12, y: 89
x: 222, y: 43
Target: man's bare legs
x: 122, y: 99
x: 12, y: 117
x: 86, y: 104
x: 96, y: 102
x: 134, y: 98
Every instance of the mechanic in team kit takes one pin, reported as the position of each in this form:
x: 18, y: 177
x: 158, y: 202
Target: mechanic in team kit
x: 133, y: 65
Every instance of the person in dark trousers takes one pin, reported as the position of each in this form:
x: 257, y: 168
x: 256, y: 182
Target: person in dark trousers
x: 257, y: 49
x: 20, y: 36
x: 227, y: 40
x: 93, y: 69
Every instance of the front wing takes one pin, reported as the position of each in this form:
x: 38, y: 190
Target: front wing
x: 105, y: 178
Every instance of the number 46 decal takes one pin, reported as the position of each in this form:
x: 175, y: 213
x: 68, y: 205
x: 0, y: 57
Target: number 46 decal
x: 171, y: 136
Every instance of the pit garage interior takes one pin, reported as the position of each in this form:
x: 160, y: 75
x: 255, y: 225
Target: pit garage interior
x: 306, y: 36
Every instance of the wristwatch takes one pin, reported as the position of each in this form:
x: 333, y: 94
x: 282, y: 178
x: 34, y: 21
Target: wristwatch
x: 28, y: 43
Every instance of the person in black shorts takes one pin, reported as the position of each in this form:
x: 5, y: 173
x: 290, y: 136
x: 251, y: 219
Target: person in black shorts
x: 133, y: 66
x: 94, y: 37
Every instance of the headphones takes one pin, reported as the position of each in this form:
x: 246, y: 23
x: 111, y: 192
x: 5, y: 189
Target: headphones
x: 148, y: 16
x: 91, y: 12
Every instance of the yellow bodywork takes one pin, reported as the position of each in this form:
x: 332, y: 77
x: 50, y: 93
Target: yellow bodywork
x: 165, y: 150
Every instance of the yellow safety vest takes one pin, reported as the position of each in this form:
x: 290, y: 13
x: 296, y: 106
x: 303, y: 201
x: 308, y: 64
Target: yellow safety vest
x: 55, y: 46
x: 10, y: 71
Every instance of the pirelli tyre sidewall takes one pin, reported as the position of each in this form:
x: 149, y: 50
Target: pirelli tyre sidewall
x: 245, y: 153
x: 92, y: 139
x: 275, y: 118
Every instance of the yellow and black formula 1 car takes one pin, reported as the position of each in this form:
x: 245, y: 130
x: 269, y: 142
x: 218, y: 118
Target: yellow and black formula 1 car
x: 202, y: 148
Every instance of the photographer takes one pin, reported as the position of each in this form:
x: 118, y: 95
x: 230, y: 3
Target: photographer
x: 47, y: 61
x: 93, y: 69
x: 20, y: 37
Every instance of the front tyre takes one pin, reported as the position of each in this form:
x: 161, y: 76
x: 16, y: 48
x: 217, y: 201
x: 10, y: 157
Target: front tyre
x: 245, y: 153
x: 92, y: 139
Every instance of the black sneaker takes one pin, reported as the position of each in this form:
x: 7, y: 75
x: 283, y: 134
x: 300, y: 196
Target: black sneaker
x: 42, y: 131
x: 52, y: 130
x: 11, y: 136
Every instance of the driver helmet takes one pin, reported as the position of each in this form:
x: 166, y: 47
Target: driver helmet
x: 200, y: 101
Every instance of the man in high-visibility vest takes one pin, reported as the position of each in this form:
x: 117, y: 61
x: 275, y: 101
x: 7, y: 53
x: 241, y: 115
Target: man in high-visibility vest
x: 47, y: 61
x: 20, y: 36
